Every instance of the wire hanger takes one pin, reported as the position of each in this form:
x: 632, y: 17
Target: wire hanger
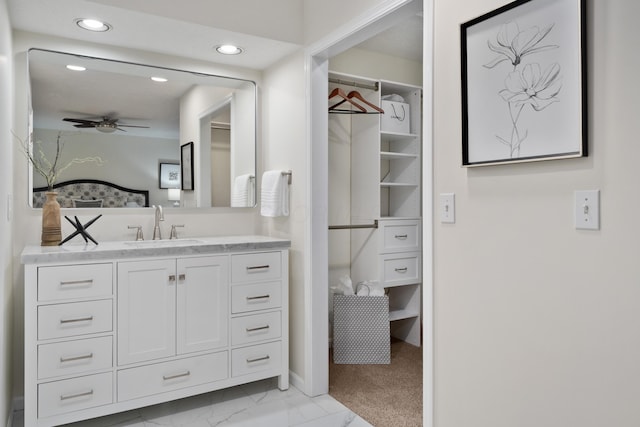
x: 358, y: 96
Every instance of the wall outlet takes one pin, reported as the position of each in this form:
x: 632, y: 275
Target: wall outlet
x: 448, y: 208
x: 587, y: 209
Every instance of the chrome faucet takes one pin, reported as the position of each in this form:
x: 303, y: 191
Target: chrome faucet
x: 157, y: 234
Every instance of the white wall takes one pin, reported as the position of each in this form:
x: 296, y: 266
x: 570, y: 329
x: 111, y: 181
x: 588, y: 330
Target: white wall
x: 284, y: 148
x: 377, y: 66
x: 536, y: 323
x: 6, y: 177
x: 113, y: 226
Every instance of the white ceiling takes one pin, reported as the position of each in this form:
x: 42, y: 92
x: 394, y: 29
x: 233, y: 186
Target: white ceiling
x: 267, y: 30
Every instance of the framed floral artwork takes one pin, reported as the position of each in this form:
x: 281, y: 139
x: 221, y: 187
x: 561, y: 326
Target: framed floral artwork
x: 169, y: 175
x: 524, y: 94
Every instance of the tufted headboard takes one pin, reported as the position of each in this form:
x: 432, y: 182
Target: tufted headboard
x: 92, y: 193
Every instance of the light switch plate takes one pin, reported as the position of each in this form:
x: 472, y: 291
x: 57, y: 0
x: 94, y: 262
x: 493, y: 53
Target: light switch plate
x: 587, y: 209
x: 448, y: 208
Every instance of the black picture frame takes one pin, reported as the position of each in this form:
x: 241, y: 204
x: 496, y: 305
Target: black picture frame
x: 524, y: 83
x: 169, y: 175
x: 186, y: 161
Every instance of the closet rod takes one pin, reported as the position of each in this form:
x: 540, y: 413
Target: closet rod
x: 349, y: 227
x: 375, y: 86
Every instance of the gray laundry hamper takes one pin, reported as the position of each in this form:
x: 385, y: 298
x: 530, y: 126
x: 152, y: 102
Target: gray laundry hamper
x: 361, y: 330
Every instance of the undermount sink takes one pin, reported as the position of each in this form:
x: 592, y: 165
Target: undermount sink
x: 163, y: 243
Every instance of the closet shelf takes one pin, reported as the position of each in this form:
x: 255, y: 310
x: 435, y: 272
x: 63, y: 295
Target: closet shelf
x: 402, y: 314
x: 397, y: 184
x: 388, y: 155
x: 398, y: 135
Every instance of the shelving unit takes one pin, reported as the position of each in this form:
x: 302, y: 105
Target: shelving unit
x: 386, y: 186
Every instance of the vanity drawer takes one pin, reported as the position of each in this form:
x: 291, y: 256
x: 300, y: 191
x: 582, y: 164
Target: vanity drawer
x: 255, y: 267
x: 75, y: 281
x: 167, y: 376
x: 401, y: 268
x: 77, y: 318
x: 74, y: 357
x: 400, y: 236
x: 257, y: 358
x: 258, y: 327
x: 257, y: 296
x: 64, y: 396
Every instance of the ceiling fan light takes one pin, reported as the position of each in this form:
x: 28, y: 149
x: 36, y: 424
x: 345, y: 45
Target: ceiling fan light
x: 92, y: 25
x: 228, y: 49
x: 106, y: 127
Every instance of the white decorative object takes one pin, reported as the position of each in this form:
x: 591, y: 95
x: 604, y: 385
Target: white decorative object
x: 396, y: 117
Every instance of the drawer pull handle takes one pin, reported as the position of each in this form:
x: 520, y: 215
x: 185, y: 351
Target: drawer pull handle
x: 258, y: 267
x: 401, y: 236
x: 401, y: 270
x: 182, y: 277
x: 75, y: 358
x: 258, y: 297
x: 259, y: 328
x: 173, y: 377
x: 172, y: 277
x: 87, y: 282
x: 77, y: 319
x: 76, y: 395
x: 258, y: 359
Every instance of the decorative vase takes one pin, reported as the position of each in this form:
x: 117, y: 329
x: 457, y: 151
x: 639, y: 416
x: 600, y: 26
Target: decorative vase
x: 51, y: 230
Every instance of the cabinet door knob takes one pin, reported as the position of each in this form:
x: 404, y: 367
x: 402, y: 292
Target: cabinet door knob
x: 172, y: 277
x: 182, y: 276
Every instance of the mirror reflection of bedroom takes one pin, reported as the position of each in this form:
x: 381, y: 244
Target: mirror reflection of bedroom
x: 375, y: 248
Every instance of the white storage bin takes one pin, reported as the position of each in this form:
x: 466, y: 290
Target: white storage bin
x: 396, y: 117
x: 361, y: 330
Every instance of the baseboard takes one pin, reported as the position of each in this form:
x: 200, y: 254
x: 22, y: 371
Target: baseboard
x: 296, y: 381
x: 17, y: 404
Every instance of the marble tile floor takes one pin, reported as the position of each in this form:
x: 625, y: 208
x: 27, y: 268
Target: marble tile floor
x: 250, y: 405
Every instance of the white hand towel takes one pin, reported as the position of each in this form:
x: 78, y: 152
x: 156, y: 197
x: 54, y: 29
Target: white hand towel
x: 274, y: 197
x: 242, y: 192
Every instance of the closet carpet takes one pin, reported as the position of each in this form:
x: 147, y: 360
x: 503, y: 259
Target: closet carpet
x: 384, y: 395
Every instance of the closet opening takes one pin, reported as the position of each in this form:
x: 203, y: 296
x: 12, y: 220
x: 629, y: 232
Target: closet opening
x: 374, y: 234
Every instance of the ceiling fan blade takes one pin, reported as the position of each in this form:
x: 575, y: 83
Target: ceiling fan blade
x: 133, y: 126
x: 85, y: 125
x: 83, y: 121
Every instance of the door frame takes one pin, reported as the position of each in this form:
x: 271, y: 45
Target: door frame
x: 316, y: 368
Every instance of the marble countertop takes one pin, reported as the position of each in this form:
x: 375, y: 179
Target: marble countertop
x: 149, y: 248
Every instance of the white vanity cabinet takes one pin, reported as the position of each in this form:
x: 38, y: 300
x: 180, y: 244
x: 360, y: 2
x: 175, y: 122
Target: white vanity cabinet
x: 115, y: 327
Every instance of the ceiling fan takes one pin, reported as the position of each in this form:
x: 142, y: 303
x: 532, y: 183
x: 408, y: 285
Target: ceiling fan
x: 105, y: 124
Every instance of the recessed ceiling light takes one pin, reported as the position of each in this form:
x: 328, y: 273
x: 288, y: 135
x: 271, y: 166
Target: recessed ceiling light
x: 76, y: 68
x: 228, y: 49
x: 159, y: 79
x: 92, y: 25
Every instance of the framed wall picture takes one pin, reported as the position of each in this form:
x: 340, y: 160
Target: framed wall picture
x: 524, y: 94
x: 169, y: 175
x: 186, y: 161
